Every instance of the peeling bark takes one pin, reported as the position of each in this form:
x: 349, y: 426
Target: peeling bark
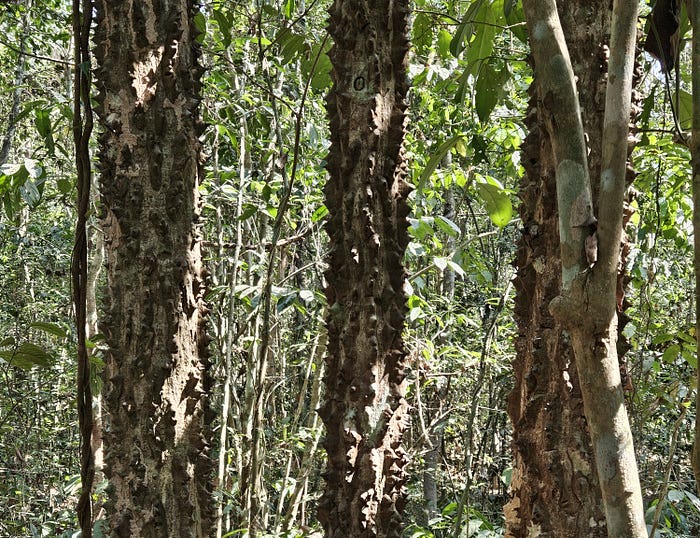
x: 156, y: 366
x: 365, y: 412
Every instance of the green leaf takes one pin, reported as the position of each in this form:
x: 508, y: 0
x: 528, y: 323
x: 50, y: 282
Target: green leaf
x: 225, y: 21
x: 42, y: 122
x: 447, y: 226
x: 671, y: 353
x: 290, y: 7
x: 434, y: 161
x: 481, y: 47
x: 465, y: 30
x: 497, y: 203
x: 26, y: 356
x: 515, y: 17
x: 320, y: 213
x: 248, y: 211
x: 50, y: 328
x: 684, y: 100
x: 444, y: 40
x: 200, y: 23
x: 489, y: 90
x: 422, y: 33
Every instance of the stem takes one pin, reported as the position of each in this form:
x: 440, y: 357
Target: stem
x: 695, y: 162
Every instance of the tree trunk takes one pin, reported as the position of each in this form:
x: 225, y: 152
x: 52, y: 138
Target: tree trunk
x: 156, y: 367
x: 590, y: 255
x: 365, y: 412
x: 695, y: 162
x: 555, y: 487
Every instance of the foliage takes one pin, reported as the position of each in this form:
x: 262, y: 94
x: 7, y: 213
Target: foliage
x: 267, y: 138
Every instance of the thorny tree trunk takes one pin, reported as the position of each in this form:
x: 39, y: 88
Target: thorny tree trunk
x: 365, y: 412
x: 156, y: 371
x: 554, y: 486
x: 587, y: 305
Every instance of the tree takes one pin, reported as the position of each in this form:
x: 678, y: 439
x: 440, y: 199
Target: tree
x: 590, y: 247
x: 156, y: 377
x: 551, y: 443
x: 365, y: 412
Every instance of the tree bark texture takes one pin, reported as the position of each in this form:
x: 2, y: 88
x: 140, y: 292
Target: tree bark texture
x: 587, y: 305
x: 554, y: 467
x: 156, y: 365
x: 365, y: 412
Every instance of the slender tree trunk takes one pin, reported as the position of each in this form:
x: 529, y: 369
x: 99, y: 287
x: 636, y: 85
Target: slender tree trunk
x: 365, y: 412
x: 156, y: 366
x: 695, y: 161
x: 587, y: 306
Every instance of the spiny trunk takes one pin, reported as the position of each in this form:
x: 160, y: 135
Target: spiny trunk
x: 156, y: 367
x: 365, y: 412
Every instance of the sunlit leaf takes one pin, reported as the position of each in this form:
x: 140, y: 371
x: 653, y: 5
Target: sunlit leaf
x: 497, y: 203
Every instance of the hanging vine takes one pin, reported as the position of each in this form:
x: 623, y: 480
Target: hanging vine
x: 82, y: 128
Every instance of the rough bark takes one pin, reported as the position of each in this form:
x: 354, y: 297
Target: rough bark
x: 555, y: 487
x: 156, y: 367
x: 365, y: 412
x: 587, y: 306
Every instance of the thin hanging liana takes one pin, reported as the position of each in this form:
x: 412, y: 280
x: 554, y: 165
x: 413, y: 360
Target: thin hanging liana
x: 82, y: 128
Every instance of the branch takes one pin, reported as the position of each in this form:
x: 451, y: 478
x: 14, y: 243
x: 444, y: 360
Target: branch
x: 557, y: 91
x: 615, y: 132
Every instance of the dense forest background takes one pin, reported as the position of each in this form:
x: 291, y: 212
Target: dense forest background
x: 266, y: 141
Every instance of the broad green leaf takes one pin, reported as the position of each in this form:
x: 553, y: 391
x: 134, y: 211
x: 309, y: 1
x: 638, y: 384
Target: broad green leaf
x: 515, y: 18
x: 684, y: 100
x: 434, y: 161
x: 200, y: 23
x: 292, y: 45
x: 248, y: 211
x: 225, y: 21
x: 42, y: 122
x: 489, y: 90
x: 671, y: 353
x: 447, y: 226
x: 497, y: 203
x: 7, y: 341
x: 465, y: 30
x: 50, y: 328
x: 444, y: 40
x: 320, y: 212
x: 422, y: 33
x: 290, y: 7
x: 481, y: 47
x: 26, y: 356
